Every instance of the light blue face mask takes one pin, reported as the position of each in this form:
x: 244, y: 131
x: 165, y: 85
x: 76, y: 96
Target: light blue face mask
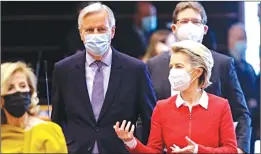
x: 239, y: 50
x: 240, y: 46
x: 149, y: 23
x: 97, y: 44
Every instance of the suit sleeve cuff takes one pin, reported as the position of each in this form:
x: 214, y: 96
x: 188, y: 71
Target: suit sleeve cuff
x: 196, y: 149
x: 131, y: 144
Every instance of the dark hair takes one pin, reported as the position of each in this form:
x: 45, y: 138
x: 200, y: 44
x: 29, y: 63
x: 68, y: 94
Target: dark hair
x: 189, y: 5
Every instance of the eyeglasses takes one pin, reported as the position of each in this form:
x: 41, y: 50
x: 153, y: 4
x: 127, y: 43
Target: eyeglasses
x: 194, y: 21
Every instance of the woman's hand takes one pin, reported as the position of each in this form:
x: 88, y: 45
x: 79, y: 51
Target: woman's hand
x: 190, y: 148
x: 124, y: 133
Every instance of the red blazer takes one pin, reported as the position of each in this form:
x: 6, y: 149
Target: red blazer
x: 212, y: 128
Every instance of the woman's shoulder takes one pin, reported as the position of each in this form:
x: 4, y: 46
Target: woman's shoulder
x: 49, y: 133
x: 216, y: 98
x: 166, y: 102
x: 37, y: 123
x: 217, y: 102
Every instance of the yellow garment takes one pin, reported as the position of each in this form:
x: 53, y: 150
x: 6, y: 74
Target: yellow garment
x: 43, y: 138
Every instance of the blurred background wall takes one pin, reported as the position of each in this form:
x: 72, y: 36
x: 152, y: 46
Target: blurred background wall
x: 36, y: 31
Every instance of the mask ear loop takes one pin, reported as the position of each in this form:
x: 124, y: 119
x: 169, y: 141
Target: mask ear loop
x: 198, y: 89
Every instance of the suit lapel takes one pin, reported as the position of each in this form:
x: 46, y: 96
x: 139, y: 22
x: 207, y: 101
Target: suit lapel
x: 166, y: 84
x: 114, y: 82
x: 81, y: 86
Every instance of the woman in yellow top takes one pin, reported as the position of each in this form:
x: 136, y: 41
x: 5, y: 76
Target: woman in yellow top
x: 21, y: 131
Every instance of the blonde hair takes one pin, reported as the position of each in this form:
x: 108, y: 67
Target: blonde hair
x: 8, y: 69
x: 200, y: 57
x: 197, y: 62
x: 159, y: 35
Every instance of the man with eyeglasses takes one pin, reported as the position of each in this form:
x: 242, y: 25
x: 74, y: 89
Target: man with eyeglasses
x: 189, y: 22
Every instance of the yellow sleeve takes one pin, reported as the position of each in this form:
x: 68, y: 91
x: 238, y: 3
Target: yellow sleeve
x: 56, y: 142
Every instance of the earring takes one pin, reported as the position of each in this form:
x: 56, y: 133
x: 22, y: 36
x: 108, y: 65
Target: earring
x: 198, y: 89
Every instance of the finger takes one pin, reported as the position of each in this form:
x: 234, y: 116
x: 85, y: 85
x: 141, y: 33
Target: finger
x: 175, y: 150
x: 176, y: 146
x: 132, y: 129
x: 118, y: 132
x: 130, y: 134
x: 190, y: 142
x: 118, y: 129
x: 186, y: 149
x: 121, y: 129
x: 127, y: 127
x: 123, y: 125
x: 117, y: 125
x: 172, y: 148
x: 126, y: 133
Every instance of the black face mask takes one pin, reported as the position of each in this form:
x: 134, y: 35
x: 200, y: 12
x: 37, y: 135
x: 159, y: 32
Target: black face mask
x: 17, y: 103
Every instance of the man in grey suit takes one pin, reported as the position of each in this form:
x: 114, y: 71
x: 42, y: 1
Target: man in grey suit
x: 189, y: 22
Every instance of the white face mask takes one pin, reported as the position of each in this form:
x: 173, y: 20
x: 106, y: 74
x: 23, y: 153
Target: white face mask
x: 190, y: 31
x: 180, y: 79
x: 97, y: 44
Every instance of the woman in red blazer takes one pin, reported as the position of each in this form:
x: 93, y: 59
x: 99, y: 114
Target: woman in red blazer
x: 192, y: 121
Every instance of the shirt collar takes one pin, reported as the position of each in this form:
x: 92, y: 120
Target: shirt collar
x: 106, y: 59
x: 203, y: 101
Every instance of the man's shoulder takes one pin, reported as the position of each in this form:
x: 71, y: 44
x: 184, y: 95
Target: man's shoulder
x: 220, y: 57
x: 249, y: 66
x: 127, y: 60
x: 70, y: 60
x: 159, y: 58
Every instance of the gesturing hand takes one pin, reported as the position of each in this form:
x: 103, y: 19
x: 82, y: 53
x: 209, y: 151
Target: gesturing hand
x: 123, y: 132
x: 190, y: 148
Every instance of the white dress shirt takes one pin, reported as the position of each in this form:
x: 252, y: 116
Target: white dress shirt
x: 203, y: 102
x: 173, y: 92
x: 90, y: 69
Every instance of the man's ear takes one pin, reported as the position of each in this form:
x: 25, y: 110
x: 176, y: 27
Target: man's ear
x: 205, y: 29
x: 81, y: 35
x: 113, y: 32
x: 173, y: 28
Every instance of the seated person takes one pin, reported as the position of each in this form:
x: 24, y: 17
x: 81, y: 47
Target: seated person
x: 191, y: 121
x: 21, y: 131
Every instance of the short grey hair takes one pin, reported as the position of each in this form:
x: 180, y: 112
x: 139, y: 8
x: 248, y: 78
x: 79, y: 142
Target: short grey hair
x: 200, y: 57
x: 95, y: 7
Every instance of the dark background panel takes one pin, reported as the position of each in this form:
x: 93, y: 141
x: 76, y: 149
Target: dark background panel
x: 29, y: 32
x: 31, y: 27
